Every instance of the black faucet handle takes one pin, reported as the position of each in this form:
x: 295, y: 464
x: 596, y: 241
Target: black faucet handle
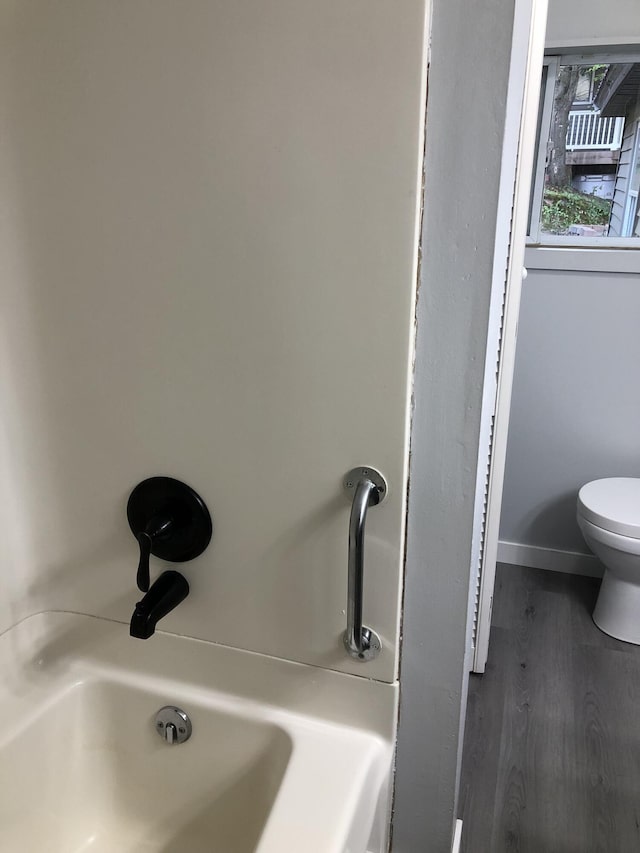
x: 157, y: 528
x: 142, y: 578
x: 170, y: 521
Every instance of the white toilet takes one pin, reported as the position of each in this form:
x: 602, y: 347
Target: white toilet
x: 609, y: 518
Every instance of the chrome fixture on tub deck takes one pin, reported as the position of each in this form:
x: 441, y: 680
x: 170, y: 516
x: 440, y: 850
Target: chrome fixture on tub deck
x: 173, y: 725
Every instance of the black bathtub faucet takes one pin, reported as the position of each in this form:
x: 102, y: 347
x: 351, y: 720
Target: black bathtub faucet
x: 172, y: 522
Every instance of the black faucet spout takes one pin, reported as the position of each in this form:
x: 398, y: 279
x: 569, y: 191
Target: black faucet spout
x: 165, y: 594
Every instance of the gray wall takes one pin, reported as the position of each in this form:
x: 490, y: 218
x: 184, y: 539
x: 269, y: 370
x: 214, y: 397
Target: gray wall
x: 575, y: 411
x: 461, y: 193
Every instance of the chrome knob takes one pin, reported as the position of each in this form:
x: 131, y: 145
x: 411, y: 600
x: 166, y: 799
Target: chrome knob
x: 173, y: 725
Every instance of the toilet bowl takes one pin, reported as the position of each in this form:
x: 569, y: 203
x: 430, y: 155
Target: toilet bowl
x: 609, y: 517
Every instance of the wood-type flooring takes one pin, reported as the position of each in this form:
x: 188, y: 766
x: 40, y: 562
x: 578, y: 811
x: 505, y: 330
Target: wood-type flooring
x: 551, y: 760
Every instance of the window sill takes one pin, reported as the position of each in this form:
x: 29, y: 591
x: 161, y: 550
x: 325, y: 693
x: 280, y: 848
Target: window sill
x: 581, y: 259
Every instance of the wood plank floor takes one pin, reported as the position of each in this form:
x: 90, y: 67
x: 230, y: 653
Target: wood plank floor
x: 551, y: 760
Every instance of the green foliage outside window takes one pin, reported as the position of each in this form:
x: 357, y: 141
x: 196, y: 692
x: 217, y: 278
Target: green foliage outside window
x: 563, y: 207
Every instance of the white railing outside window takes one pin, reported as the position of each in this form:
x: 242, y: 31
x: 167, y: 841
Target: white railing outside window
x: 588, y: 130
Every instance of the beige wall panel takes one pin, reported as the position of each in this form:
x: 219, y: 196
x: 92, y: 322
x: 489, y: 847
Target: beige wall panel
x: 208, y: 223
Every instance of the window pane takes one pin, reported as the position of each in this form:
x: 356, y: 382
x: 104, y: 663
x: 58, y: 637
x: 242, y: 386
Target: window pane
x: 592, y: 170
x: 543, y: 89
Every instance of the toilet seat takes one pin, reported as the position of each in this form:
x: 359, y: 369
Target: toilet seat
x: 617, y: 541
x: 613, y: 505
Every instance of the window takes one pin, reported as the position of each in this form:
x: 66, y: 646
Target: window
x: 587, y: 176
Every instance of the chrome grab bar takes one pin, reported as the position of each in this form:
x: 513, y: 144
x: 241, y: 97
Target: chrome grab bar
x: 369, y: 488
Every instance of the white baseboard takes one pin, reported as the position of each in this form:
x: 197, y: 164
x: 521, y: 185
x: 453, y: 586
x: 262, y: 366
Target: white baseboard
x: 570, y: 562
x: 457, y: 837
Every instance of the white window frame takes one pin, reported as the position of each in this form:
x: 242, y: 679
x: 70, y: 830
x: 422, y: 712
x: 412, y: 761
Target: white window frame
x: 535, y: 236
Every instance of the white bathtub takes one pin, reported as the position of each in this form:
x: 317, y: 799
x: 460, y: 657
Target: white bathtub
x: 283, y: 757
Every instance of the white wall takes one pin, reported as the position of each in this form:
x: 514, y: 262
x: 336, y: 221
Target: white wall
x: 576, y: 23
x: 210, y: 216
x: 575, y: 394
